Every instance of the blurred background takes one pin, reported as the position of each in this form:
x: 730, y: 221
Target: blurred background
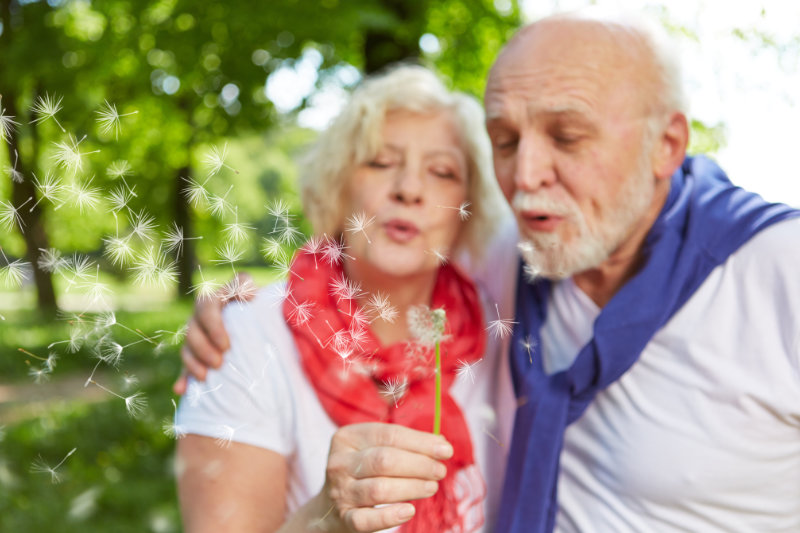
x: 149, y: 152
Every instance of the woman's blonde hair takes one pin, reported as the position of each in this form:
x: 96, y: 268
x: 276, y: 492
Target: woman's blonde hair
x: 354, y: 137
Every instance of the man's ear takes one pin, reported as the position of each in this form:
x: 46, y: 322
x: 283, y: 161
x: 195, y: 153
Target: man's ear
x: 670, y: 147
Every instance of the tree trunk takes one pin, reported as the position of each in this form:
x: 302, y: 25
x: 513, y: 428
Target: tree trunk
x: 186, y: 260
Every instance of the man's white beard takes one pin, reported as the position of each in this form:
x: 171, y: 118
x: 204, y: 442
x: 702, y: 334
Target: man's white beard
x: 548, y: 256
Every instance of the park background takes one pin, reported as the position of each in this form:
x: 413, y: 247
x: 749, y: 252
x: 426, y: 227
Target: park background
x: 171, y: 132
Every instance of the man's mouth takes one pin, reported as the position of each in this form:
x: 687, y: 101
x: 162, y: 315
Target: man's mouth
x: 540, y: 221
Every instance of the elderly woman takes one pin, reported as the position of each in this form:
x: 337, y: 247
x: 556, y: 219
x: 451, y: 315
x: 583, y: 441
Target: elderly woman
x: 321, y: 415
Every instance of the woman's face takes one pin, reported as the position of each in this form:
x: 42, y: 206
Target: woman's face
x: 409, y: 194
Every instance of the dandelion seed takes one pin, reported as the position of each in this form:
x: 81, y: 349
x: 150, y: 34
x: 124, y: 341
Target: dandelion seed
x: 289, y: 235
x: 280, y: 211
x: 300, y: 314
x: 271, y: 249
x: 313, y: 246
x: 14, y: 272
x: 110, y: 118
x: 333, y: 251
x: 171, y: 428
x: 345, y: 289
x: 196, y: 392
x: 85, y: 196
x: 7, y: 123
x: 467, y: 370
x: 46, y: 107
x: 119, y: 198
x: 98, y: 291
x: 463, y: 210
x: 529, y: 344
x: 135, y: 404
x: 440, y: 254
x: 216, y: 160
x: 153, y: 267
x: 49, y: 189
x: 225, y: 434
x: 15, y: 175
x: 143, y: 225
x: 195, y: 192
x: 118, y: 169
x: 69, y: 156
x: 80, y: 265
x: 174, y: 239
x: 118, y: 250
x: 39, y: 466
x: 531, y: 273
x: 394, y: 388
x: 129, y: 381
x: 9, y: 215
x: 502, y: 327
x: 111, y: 353
x: 237, y: 231
x: 40, y: 375
x: 358, y: 222
x: 379, y: 304
x: 51, y: 261
x: 218, y: 205
x: 228, y: 254
x: 238, y: 290
x: 206, y: 288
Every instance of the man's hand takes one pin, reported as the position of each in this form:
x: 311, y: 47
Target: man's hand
x: 206, y: 338
x: 384, y: 465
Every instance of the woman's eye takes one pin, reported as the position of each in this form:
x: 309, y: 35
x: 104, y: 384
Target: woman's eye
x: 379, y: 163
x: 443, y: 173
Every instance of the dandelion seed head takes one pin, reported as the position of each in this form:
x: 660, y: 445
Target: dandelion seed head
x: 135, y: 404
x: 427, y: 325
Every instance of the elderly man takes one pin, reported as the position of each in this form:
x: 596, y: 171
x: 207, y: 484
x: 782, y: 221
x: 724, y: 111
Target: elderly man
x: 664, y: 394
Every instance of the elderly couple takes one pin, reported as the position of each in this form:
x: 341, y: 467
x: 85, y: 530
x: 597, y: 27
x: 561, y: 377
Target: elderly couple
x: 652, y: 378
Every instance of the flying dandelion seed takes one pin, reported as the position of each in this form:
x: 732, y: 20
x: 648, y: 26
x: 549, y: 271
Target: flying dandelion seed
x: 39, y: 375
x: 118, y: 250
x: 49, y: 189
x: 300, y: 314
x: 196, y: 391
x: 467, y: 370
x: 195, y: 192
x: 110, y: 118
x: 15, y: 175
x: 174, y: 239
x: 9, y: 215
x: 357, y: 223
x: 271, y: 249
x: 345, y: 289
x: 216, y: 160
x: 86, y: 196
x: 7, y: 123
x: 394, y: 388
x: 531, y: 273
x: 502, y: 327
x: 279, y: 210
x: 379, y: 304
x: 205, y: 289
x: 171, y: 428
x: 118, y: 169
x: 143, y: 226
x: 80, y: 265
x: 39, y: 466
x: 46, y: 107
x: 463, y: 210
x: 529, y: 345
x: 14, y: 272
x: 225, y: 434
x: 440, y: 254
x: 333, y: 251
x: 228, y: 254
x: 237, y: 231
x: 218, y: 205
x: 238, y: 290
x: 135, y: 404
x: 289, y: 235
x: 51, y: 261
x: 154, y: 268
x: 69, y: 156
x: 119, y: 198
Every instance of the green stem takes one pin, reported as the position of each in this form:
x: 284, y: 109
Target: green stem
x: 437, y: 406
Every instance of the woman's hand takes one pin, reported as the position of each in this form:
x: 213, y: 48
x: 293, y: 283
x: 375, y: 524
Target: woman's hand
x: 384, y: 465
x: 206, y: 338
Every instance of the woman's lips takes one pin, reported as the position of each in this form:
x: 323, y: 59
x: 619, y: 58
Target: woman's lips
x: 400, y: 230
x: 540, y: 221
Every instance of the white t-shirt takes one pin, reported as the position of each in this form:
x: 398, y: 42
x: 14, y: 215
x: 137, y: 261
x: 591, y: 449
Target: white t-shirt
x: 702, y: 434
x: 261, y: 396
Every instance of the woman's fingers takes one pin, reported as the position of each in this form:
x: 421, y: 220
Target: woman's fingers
x: 393, y: 462
x: 192, y: 365
x: 363, y: 436
x: 373, y: 491
x: 375, y: 519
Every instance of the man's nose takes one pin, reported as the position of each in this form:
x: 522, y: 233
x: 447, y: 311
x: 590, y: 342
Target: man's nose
x: 534, y: 168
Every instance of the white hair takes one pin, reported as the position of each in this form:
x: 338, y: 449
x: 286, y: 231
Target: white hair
x: 355, y: 137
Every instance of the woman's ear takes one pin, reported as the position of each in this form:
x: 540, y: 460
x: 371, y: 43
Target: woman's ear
x: 670, y: 147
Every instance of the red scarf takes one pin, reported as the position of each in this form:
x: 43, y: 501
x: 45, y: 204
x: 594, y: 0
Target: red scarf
x: 350, y: 369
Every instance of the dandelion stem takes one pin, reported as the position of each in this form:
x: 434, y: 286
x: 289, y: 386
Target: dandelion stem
x: 437, y: 406
x: 107, y: 390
